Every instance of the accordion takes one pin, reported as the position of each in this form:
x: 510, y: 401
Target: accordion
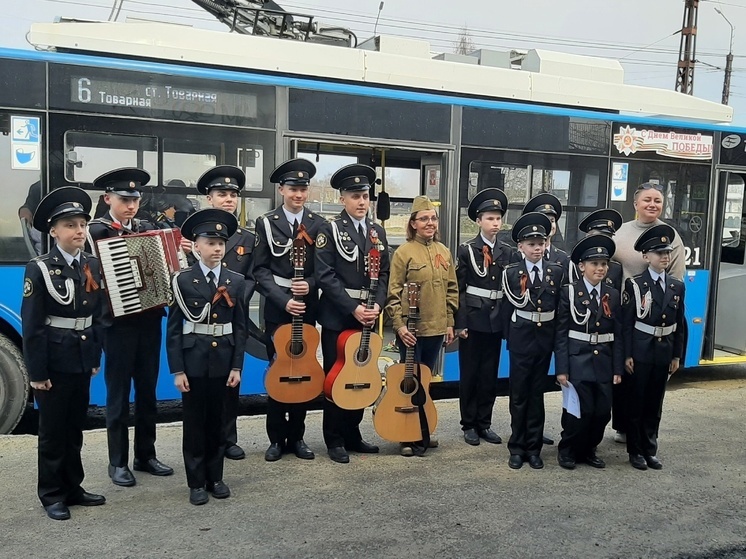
x: 137, y: 269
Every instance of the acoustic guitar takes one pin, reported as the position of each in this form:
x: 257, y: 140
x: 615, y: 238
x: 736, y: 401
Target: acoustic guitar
x: 295, y: 375
x: 406, y: 410
x: 354, y: 382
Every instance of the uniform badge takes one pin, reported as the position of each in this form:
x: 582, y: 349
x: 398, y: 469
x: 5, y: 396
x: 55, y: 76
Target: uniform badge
x: 320, y: 240
x: 195, y: 280
x: 256, y: 241
x: 625, y: 297
x: 240, y: 250
x: 28, y: 287
x: 228, y: 281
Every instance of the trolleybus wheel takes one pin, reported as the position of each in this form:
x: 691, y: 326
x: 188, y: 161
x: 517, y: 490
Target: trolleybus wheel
x: 14, y: 385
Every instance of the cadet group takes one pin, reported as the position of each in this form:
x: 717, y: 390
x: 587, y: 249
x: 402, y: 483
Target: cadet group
x: 612, y: 341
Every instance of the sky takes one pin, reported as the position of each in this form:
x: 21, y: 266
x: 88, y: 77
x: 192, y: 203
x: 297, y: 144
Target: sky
x: 642, y: 34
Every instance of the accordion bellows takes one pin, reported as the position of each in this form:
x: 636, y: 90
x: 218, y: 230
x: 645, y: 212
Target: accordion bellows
x: 137, y: 269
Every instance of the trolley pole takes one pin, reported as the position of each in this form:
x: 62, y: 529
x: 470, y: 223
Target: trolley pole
x: 728, y: 61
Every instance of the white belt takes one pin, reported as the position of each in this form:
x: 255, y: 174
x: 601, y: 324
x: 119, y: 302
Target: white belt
x: 493, y: 294
x: 360, y: 294
x: 536, y: 316
x: 657, y: 331
x: 215, y: 330
x: 593, y: 339
x: 70, y: 323
x: 282, y: 282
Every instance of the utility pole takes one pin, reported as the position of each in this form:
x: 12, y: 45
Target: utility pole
x: 687, y: 48
x: 728, y: 61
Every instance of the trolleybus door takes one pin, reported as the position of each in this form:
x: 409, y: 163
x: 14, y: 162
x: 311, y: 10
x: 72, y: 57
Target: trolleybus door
x: 727, y: 324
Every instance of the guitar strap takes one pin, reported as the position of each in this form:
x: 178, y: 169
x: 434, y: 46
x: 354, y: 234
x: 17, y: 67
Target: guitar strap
x: 419, y: 399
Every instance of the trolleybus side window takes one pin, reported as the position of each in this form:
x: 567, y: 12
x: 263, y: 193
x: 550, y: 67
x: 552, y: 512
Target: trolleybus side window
x: 89, y: 154
x: 685, y: 189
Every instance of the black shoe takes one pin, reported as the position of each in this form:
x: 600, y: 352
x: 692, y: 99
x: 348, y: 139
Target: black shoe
x: 153, y: 466
x: 471, y: 437
x: 234, y: 452
x: 273, y: 453
x: 86, y: 499
x: 362, y: 447
x: 122, y: 476
x: 218, y: 489
x: 653, y: 462
x: 490, y: 436
x: 535, y: 462
x: 339, y: 454
x: 546, y: 440
x: 515, y: 462
x: 58, y: 511
x: 566, y: 462
x: 638, y: 462
x: 301, y: 450
x: 594, y: 461
x: 198, y: 496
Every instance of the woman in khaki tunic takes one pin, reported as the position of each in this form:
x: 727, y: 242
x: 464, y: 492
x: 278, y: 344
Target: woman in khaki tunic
x: 425, y: 261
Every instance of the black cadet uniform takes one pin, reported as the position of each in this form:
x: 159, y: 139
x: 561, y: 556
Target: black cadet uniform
x: 529, y: 314
x: 343, y: 279
x: 133, y: 347
x: 206, y: 338
x: 239, y: 258
x: 606, y: 222
x: 62, y: 313
x: 654, y: 329
x: 479, y: 271
x: 589, y: 349
x: 273, y: 271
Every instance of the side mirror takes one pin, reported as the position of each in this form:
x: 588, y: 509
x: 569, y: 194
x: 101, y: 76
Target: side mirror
x: 383, y: 206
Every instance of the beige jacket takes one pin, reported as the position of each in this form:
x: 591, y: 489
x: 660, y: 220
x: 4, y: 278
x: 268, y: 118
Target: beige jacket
x: 416, y: 261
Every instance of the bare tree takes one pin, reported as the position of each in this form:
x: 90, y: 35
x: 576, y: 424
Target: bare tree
x: 464, y: 44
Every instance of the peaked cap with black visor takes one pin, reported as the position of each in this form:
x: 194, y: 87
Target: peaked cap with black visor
x: 213, y: 223
x: 488, y: 200
x: 126, y: 182
x: 66, y: 201
x: 294, y: 172
x: 224, y: 177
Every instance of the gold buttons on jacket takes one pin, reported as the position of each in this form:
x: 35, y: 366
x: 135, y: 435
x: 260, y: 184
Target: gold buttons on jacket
x: 85, y: 302
x: 225, y: 264
x: 83, y: 337
x: 214, y: 315
x: 538, y: 324
x: 214, y: 344
x: 663, y: 316
x: 598, y: 324
x: 537, y: 302
x: 595, y: 352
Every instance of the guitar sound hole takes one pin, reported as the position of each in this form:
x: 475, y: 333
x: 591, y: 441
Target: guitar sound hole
x: 296, y: 349
x: 408, y: 386
x: 362, y: 356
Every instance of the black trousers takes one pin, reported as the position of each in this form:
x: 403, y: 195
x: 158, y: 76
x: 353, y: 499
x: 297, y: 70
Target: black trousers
x: 230, y: 414
x: 580, y: 437
x: 133, y: 350
x: 478, y: 359
x: 340, y: 427
x: 62, y: 414
x: 619, y: 407
x: 646, y: 389
x: 203, y: 445
x: 286, y: 423
x: 527, y: 381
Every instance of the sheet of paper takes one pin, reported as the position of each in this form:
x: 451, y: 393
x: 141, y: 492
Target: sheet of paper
x: 570, y: 400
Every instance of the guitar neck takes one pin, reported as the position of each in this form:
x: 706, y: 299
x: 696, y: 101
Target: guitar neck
x: 297, y: 321
x: 409, y: 357
x: 369, y: 304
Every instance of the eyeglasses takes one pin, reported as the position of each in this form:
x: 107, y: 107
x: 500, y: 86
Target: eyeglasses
x: 433, y: 219
x: 649, y: 185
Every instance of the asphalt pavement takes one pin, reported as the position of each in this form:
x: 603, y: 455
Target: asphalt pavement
x: 457, y: 501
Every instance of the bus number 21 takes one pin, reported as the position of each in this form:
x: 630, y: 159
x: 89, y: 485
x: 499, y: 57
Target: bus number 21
x: 688, y: 256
